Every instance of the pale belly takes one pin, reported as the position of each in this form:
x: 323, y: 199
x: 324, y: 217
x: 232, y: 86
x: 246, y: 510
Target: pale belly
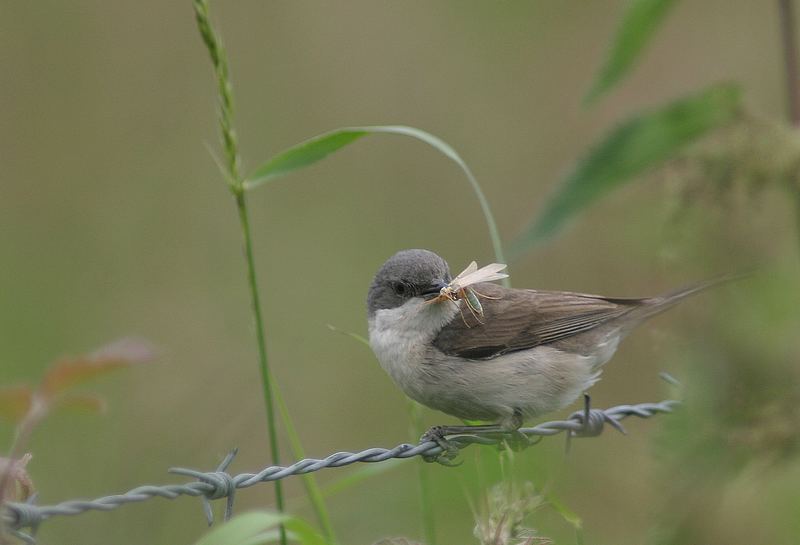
x: 531, y: 382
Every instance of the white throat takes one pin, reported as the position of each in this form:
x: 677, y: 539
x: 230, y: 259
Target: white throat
x: 401, y: 336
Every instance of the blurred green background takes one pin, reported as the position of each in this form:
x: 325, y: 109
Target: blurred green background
x: 115, y: 221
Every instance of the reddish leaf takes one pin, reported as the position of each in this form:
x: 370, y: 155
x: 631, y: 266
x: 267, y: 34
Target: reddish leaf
x: 71, y: 371
x: 80, y: 403
x: 15, y: 402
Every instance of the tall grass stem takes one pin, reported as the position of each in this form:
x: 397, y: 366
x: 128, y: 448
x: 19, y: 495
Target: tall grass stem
x: 266, y: 377
x: 230, y: 143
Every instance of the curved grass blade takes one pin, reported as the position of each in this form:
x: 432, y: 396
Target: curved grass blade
x: 569, y: 516
x: 637, y: 145
x: 639, y: 24
x: 241, y: 528
x: 259, y: 528
x: 313, y: 490
x: 355, y: 336
x: 317, y: 148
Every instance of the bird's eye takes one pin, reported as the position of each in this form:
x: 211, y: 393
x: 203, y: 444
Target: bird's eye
x: 400, y: 288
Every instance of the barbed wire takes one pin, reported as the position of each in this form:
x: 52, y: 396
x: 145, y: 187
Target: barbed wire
x: 219, y: 484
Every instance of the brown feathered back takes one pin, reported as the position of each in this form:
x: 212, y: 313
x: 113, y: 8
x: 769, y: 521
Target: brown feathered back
x: 518, y: 319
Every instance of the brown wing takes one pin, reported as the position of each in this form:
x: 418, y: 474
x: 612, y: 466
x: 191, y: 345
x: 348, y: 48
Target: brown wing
x: 517, y: 319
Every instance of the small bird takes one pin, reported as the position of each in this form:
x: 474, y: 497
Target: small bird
x: 529, y: 353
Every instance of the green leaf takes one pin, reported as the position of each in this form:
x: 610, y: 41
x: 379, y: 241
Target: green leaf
x: 639, y: 23
x: 259, y: 528
x: 304, y: 533
x: 569, y: 516
x: 270, y: 536
x: 637, y: 145
x: 309, y: 152
x: 242, y: 528
x: 317, y: 148
x: 303, y: 154
x: 296, y: 530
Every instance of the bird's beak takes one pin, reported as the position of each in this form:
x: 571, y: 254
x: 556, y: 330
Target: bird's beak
x: 433, y: 290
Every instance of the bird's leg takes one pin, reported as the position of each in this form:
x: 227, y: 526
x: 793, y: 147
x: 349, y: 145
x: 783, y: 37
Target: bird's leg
x: 507, y: 428
x: 517, y: 440
x: 438, y: 434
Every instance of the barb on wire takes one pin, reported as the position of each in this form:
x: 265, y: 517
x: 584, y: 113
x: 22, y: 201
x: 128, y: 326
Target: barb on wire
x: 220, y: 484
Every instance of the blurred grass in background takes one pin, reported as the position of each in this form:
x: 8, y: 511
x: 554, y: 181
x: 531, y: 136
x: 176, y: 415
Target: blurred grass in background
x: 115, y: 221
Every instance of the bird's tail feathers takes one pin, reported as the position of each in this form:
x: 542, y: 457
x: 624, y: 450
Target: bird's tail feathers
x: 657, y: 305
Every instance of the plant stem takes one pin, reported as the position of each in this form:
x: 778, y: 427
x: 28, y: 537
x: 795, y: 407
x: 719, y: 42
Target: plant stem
x: 494, y: 233
x: 789, y: 42
x: 236, y: 184
x: 266, y: 378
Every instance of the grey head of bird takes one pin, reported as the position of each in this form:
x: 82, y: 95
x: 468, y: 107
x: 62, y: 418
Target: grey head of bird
x: 404, y: 276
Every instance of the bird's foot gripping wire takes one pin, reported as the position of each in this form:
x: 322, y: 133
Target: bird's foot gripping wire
x: 509, y: 435
x: 503, y: 434
x: 449, y: 450
x: 517, y: 441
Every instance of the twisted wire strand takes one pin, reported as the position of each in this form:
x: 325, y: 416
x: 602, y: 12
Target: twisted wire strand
x: 219, y: 484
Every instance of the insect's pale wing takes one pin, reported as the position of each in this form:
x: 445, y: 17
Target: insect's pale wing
x: 471, y: 268
x: 484, y: 274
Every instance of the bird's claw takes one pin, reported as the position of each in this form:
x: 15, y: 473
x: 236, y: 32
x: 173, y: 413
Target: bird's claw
x: 449, y: 452
x: 517, y: 441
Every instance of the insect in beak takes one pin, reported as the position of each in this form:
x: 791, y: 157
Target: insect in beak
x: 458, y: 288
x: 434, y: 290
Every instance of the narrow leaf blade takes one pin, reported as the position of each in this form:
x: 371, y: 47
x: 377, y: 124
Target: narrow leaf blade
x: 637, y: 145
x: 242, y: 528
x: 317, y: 148
x: 303, y: 154
x: 304, y: 532
x: 355, y: 336
x: 639, y: 24
x: 569, y: 516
